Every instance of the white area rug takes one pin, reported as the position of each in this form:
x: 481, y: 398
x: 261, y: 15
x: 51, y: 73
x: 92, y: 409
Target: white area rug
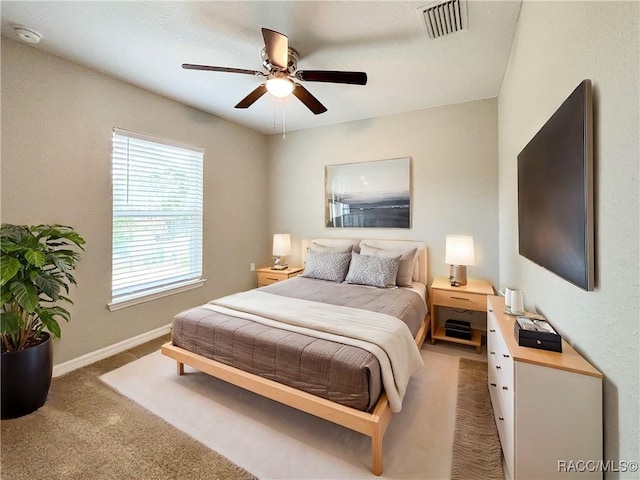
x: 273, y: 441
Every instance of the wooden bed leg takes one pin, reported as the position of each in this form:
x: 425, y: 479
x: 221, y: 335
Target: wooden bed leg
x: 180, y: 368
x: 376, y: 452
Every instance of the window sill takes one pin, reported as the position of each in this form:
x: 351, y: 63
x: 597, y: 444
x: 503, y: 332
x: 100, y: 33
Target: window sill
x: 132, y: 300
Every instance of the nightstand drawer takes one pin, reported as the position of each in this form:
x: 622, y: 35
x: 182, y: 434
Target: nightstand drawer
x: 468, y: 301
x: 266, y: 276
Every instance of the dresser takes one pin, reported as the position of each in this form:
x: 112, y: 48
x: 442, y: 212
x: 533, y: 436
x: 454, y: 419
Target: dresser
x: 547, y: 405
x: 267, y: 276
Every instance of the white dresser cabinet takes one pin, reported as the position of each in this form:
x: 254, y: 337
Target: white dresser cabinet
x: 547, y: 405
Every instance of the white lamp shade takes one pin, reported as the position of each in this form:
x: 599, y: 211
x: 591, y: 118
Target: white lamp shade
x: 281, y: 245
x: 459, y: 250
x: 279, y: 86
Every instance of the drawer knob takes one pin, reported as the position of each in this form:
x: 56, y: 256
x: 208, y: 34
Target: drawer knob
x: 505, y: 355
x: 501, y: 418
x: 505, y: 388
x: 492, y: 330
x: 493, y: 385
x: 498, y: 367
x: 491, y: 309
x: 492, y: 353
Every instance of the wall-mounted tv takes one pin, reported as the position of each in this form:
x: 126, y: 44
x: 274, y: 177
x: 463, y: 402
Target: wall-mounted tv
x: 555, y: 192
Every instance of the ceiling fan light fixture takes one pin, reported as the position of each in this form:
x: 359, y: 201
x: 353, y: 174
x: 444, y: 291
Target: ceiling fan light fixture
x: 280, y: 86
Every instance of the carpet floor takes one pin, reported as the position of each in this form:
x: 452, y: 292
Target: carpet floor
x: 86, y: 430
x: 274, y: 441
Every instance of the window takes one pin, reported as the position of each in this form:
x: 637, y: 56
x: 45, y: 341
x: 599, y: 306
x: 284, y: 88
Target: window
x: 157, y: 217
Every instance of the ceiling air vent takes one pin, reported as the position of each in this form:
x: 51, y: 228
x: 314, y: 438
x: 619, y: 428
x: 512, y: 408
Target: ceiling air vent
x: 444, y: 18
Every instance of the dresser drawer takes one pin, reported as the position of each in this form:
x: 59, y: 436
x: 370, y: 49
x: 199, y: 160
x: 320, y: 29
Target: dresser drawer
x: 499, y: 359
x: 505, y: 422
x: 470, y: 301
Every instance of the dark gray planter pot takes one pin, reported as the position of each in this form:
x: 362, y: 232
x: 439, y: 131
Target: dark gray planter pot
x: 26, y: 378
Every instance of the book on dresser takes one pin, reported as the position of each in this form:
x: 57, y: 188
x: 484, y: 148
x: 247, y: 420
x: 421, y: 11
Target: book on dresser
x: 547, y: 405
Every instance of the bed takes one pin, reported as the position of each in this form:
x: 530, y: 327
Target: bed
x: 298, y: 341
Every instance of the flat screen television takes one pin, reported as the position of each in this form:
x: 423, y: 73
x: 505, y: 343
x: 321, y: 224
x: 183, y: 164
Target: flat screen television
x: 555, y: 192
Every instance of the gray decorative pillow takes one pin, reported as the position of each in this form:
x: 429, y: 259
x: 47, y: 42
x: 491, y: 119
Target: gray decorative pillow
x: 407, y: 261
x: 374, y: 271
x: 326, y: 265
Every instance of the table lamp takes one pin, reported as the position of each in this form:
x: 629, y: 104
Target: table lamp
x: 281, y: 248
x: 459, y: 253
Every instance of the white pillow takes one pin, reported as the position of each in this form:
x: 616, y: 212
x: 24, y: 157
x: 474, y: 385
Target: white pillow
x: 374, y: 271
x: 317, y: 247
x: 407, y: 261
x: 326, y: 266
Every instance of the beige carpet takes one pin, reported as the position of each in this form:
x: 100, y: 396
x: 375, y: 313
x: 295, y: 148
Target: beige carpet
x: 274, y: 441
x: 88, y: 431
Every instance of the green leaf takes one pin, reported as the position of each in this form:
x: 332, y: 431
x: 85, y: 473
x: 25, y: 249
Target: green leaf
x: 10, y: 322
x: 35, y: 257
x: 6, y: 297
x: 50, y: 323
x: 9, y: 266
x: 26, y: 295
x: 60, y: 262
x: 49, y: 285
x: 61, y: 312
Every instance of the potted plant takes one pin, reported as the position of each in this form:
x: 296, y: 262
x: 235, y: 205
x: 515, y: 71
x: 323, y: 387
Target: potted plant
x: 35, y: 273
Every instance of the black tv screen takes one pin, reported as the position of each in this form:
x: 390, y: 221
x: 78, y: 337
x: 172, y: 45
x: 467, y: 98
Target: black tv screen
x: 555, y: 192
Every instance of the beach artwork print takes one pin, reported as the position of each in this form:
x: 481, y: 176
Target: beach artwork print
x: 373, y: 194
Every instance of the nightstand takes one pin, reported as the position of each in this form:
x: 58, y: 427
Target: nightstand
x: 472, y: 296
x: 267, y: 276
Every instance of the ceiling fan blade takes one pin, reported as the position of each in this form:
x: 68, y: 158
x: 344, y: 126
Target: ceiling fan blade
x: 255, y: 94
x: 277, y: 46
x: 352, y: 78
x: 311, y: 102
x: 191, y: 66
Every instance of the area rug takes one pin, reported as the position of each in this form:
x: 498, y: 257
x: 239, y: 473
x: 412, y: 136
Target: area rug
x: 273, y: 441
x: 476, y: 446
x: 87, y: 431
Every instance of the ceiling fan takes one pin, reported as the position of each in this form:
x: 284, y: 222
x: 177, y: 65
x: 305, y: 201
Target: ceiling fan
x: 282, y: 78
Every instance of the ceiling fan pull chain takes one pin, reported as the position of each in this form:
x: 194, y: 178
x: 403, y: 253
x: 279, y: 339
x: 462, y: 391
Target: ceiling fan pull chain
x: 284, y: 120
x: 275, y: 115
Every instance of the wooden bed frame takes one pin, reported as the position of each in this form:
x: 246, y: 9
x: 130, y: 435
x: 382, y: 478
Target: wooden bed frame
x: 372, y: 424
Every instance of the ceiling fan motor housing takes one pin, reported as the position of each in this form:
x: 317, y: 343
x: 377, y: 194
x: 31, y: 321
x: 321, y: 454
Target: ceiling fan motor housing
x: 292, y: 62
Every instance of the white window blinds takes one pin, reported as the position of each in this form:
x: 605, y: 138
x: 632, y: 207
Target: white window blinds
x: 157, y: 215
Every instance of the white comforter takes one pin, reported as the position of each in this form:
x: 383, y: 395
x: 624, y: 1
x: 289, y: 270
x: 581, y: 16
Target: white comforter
x: 386, y: 337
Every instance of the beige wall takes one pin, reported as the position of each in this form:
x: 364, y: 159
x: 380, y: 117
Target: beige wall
x: 557, y: 45
x: 57, y: 119
x: 453, y: 152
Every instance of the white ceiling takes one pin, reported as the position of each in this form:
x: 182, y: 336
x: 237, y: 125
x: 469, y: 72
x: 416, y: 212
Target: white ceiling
x: 145, y: 43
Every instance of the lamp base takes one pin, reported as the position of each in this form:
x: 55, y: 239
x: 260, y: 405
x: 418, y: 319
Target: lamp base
x: 458, y: 275
x: 278, y: 264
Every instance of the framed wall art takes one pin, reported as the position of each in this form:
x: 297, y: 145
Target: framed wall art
x: 373, y: 194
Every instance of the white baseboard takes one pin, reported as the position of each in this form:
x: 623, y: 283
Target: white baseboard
x: 106, y: 352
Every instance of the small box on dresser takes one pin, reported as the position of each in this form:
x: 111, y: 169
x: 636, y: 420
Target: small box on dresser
x: 547, y: 405
x: 529, y: 333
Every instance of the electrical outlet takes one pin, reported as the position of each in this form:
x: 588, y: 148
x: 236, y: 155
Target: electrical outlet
x: 252, y: 267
